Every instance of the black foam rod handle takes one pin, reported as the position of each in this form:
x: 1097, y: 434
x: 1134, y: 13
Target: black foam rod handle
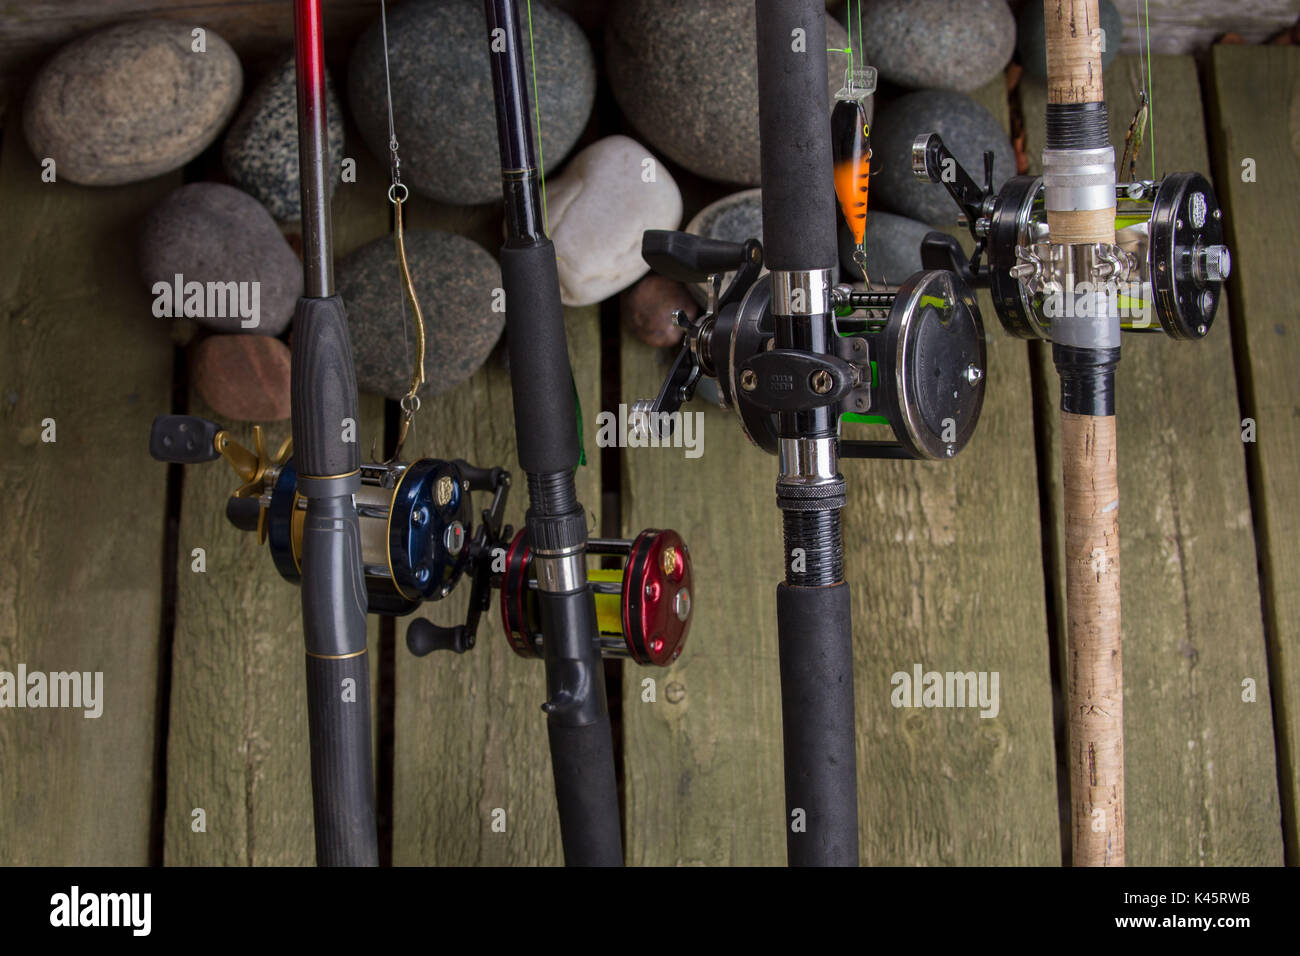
x: 794, y: 121
x: 815, y: 642
x: 183, y: 439
x: 683, y: 257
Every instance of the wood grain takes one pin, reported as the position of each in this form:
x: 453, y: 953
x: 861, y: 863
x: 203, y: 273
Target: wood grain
x: 84, y: 515
x: 1201, y: 784
x: 1263, y: 227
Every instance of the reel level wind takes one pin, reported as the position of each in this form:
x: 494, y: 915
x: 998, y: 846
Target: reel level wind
x: 1165, y: 271
x: 911, y: 358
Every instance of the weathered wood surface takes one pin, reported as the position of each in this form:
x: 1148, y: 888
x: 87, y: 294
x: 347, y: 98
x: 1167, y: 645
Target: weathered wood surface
x: 238, y: 744
x: 1200, y: 783
x: 945, y: 565
x: 81, y: 587
x: 470, y: 735
x: 1254, y: 98
x: 261, y: 31
x: 1190, y: 26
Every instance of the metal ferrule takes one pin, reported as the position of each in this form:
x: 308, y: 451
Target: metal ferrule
x: 1076, y: 180
x: 801, y: 292
x: 809, y: 461
x: 561, y: 573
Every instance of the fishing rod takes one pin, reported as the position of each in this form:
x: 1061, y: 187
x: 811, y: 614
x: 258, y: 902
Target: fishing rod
x: 577, y: 714
x: 374, y: 538
x: 1075, y: 259
x: 796, y: 355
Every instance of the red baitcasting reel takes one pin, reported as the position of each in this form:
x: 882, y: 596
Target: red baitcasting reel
x: 643, y: 610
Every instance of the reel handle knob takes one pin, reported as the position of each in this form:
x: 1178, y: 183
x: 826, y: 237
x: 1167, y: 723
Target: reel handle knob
x: 243, y: 513
x: 684, y: 257
x: 424, y: 637
x: 480, y: 479
x: 183, y: 439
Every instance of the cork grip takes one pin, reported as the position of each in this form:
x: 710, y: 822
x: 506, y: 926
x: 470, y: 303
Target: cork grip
x: 1096, y: 681
x: 1081, y: 226
x: 1073, y: 51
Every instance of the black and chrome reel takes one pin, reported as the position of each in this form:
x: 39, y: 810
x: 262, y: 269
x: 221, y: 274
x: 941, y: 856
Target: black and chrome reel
x: 1165, y: 271
x: 912, y: 358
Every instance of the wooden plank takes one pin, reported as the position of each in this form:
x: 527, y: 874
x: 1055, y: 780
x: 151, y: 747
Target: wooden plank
x: 84, y: 515
x: 238, y: 736
x: 1201, y: 781
x: 470, y: 737
x: 1263, y: 228
x: 260, y: 31
x: 702, y: 762
x: 703, y: 773
x: 1191, y: 26
x: 948, y: 575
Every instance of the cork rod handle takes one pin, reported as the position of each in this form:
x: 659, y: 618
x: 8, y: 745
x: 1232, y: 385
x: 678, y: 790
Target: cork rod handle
x: 1096, y: 682
x: 1074, y: 42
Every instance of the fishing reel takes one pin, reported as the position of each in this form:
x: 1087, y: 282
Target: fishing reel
x: 417, y: 533
x: 912, y: 358
x: 1168, y: 258
x: 643, y: 609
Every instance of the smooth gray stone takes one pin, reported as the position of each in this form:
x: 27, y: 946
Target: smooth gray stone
x: 686, y: 77
x: 211, y: 232
x: 443, y: 110
x: 936, y: 44
x: 455, y: 280
x: 131, y: 102
x: 967, y: 129
x: 260, y: 153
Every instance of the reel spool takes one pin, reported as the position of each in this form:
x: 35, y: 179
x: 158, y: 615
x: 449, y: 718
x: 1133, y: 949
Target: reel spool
x: 643, y: 610
x: 913, y: 358
x: 415, y: 524
x: 1169, y: 255
x: 415, y: 518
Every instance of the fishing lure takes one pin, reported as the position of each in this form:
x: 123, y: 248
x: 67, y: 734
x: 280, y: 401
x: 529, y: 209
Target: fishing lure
x: 851, y: 150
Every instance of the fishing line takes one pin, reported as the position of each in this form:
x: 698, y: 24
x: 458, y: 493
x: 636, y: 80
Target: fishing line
x: 537, y: 110
x: 397, y: 195
x: 1151, y: 107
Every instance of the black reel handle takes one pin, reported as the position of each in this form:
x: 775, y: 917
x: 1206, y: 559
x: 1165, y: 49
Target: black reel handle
x: 688, y: 258
x: 183, y: 439
x: 424, y: 637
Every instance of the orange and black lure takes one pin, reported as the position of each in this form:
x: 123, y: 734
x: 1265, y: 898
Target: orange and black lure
x: 851, y: 142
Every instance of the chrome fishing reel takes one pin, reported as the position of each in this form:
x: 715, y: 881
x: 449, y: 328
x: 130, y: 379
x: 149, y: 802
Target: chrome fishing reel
x: 912, y: 358
x: 417, y: 533
x: 1165, y: 271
